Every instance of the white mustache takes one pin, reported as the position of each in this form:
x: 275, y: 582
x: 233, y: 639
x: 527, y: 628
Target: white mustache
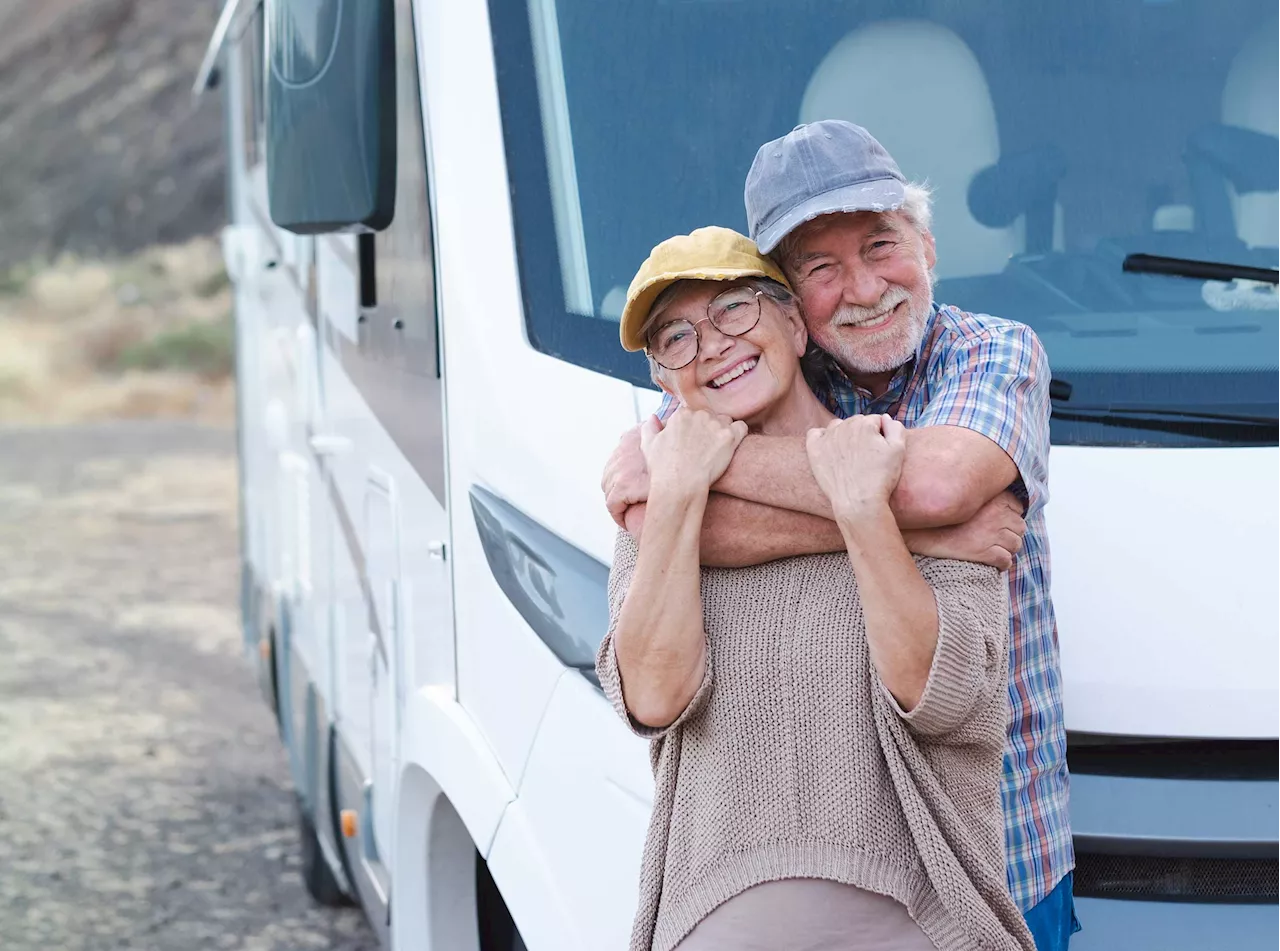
x: 849, y: 314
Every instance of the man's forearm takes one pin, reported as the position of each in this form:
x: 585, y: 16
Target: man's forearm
x: 737, y: 533
x: 774, y: 471
x: 948, y: 475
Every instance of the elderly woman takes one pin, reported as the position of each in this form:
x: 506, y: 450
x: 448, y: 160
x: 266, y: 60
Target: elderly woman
x: 826, y: 731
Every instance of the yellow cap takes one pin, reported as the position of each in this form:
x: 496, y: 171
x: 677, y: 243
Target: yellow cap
x: 708, y: 254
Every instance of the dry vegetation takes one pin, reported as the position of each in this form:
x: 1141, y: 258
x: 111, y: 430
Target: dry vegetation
x: 106, y: 167
x: 145, y: 336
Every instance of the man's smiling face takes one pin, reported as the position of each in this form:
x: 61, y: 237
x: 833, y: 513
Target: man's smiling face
x: 864, y: 281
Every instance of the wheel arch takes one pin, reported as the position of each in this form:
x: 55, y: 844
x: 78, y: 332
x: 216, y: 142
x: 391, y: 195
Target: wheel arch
x: 434, y: 900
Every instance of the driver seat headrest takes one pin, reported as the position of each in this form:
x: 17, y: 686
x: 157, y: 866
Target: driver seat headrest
x: 919, y: 89
x: 1250, y: 101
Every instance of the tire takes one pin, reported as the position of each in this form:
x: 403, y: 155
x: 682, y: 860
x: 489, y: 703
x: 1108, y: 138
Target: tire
x: 317, y: 877
x: 274, y: 700
x: 498, y: 931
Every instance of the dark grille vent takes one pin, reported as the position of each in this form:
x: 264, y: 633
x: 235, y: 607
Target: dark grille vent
x: 1148, y: 878
x: 1173, y: 759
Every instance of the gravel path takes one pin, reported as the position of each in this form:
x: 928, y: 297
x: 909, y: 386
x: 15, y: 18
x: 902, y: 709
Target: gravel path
x: 144, y: 799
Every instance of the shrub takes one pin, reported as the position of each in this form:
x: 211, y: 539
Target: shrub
x: 207, y: 349
x: 13, y: 282
x: 213, y: 285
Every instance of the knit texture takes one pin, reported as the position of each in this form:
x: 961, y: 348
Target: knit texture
x: 793, y: 760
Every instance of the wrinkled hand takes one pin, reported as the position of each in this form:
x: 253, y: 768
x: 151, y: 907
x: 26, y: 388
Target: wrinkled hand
x: 992, y: 537
x: 857, y: 461
x: 626, y: 476
x: 692, y: 450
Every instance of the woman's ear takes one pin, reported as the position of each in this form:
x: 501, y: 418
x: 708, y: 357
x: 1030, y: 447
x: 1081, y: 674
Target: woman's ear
x: 659, y: 376
x: 799, y: 333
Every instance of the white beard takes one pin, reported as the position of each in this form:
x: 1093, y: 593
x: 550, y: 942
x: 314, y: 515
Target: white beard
x: 897, y: 345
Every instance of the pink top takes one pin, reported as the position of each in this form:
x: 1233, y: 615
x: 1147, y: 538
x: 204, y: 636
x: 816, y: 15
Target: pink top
x: 807, y: 914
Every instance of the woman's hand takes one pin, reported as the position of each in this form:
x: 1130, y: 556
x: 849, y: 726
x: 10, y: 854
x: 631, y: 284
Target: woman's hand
x: 691, y: 452
x: 858, y: 462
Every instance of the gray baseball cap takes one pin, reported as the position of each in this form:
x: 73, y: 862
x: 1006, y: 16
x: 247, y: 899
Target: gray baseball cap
x: 817, y: 169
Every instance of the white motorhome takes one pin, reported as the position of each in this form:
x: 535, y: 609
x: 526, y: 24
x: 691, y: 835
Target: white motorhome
x: 435, y: 207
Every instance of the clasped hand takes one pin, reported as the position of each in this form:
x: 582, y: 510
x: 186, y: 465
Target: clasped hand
x: 691, y: 450
x: 857, y: 462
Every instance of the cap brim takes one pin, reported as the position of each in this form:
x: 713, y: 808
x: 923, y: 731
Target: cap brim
x: 885, y: 194
x: 636, y: 313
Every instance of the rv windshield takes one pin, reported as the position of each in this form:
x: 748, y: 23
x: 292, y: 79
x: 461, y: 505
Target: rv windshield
x: 1059, y: 141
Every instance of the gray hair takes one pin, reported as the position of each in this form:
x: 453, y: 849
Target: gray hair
x: 916, y: 207
x: 766, y: 285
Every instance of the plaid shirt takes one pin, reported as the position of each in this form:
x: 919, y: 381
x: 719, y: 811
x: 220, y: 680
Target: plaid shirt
x: 992, y: 376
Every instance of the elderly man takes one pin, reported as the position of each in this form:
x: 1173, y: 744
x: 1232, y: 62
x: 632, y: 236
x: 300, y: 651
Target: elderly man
x: 852, y: 236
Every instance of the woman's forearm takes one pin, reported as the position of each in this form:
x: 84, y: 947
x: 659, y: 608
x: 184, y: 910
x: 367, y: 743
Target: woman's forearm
x: 659, y: 639
x: 898, y: 605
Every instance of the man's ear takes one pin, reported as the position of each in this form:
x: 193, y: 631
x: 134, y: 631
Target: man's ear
x: 930, y: 249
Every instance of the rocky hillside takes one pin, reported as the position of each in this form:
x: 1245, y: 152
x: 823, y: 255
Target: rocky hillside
x: 102, y: 151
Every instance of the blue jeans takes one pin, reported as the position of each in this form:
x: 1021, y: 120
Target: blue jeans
x: 1053, y: 921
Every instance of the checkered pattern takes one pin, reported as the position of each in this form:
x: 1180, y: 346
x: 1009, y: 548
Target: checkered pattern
x: 991, y: 376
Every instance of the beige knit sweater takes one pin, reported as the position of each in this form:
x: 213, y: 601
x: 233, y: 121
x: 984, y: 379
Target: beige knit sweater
x: 793, y: 760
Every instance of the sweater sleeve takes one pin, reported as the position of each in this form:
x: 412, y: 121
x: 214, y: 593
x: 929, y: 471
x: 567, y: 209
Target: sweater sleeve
x: 625, y: 553
x: 971, y: 660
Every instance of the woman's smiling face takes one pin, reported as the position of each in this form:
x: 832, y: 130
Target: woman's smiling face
x: 742, y: 377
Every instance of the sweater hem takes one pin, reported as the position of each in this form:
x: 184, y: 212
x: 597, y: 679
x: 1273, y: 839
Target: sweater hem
x: 677, y: 916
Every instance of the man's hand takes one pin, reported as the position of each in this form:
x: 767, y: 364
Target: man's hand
x: 992, y: 537
x: 626, y: 477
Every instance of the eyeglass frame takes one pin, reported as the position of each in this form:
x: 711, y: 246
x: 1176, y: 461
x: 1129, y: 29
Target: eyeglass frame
x: 758, y: 293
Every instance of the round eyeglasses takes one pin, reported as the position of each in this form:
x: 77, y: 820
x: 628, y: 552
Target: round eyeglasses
x: 674, y: 344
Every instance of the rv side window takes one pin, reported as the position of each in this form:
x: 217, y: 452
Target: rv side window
x: 571, y: 308
x: 250, y: 51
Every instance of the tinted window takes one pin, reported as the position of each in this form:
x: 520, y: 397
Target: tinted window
x: 1058, y: 139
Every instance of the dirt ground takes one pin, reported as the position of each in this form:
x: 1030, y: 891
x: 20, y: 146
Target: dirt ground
x: 144, y: 799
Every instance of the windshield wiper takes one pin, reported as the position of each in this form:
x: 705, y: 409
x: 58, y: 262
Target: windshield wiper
x: 1158, y: 412
x: 1202, y: 270
x: 1255, y: 429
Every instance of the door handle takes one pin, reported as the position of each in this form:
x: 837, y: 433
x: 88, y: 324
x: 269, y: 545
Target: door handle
x: 329, y: 444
